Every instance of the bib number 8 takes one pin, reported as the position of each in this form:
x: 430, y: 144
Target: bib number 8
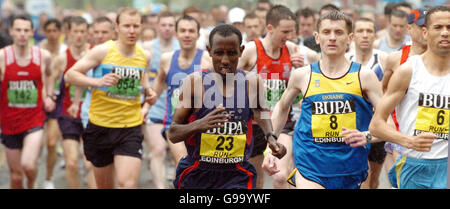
x: 333, y: 122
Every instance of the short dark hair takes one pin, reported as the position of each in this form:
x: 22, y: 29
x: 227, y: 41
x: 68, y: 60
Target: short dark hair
x: 53, y: 21
x: 435, y: 9
x: 402, y: 4
x: 388, y: 8
x: 335, y: 16
x: 21, y: 17
x: 187, y: 18
x: 398, y: 13
x: 250, y: 15
x: 77, y: 20
x: 305, y: 13
x: 365, y: 19
x: 278, y: 13
x: 330, y: 7
x: 225, y: 30
x: 103, y: 19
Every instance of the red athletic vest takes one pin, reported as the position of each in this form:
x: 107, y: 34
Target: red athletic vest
x: 21, y: 102
x: 65, y: 87
x: 405, y: 55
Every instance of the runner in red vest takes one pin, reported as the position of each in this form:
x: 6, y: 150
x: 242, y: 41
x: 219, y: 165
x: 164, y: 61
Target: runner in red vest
x: 70, y: 101
x: 22, y: 100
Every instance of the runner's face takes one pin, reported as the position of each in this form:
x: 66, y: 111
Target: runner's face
x: 187, y: 34
x: 437, y: 33
x: 166, y: 27
x: 103, y: 32
x: 333, y: 37
x: 282, y: 33
x: 397, y: 28
x: 129, y: 28
x: 306, y: 25
x: 364, y: 34
x: 52, y: 33
x: 225, y: 53
x: 21, y: 32
x: 252, y: 28
x: 78, y: 34
x: 416, y: 34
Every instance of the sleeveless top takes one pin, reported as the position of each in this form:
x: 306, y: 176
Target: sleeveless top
x: 174, y: 80
x: 384, y: 46
x: 158, y: 109
x: 230, y: 144
x: 119, y: 106
x: 21, y: 101
x: 329, y: 105
x: 426, y: 108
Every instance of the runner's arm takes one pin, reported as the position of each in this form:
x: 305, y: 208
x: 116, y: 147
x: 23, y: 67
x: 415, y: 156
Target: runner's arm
x: 76, y: 75
x: 397, y: 88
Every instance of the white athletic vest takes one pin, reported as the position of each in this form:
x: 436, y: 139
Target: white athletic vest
x: 426, y: 108
x: 373, y: 62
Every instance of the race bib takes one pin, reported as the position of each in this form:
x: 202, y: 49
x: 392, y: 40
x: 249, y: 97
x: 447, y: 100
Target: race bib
x: 433, y: 115
x: 128, y: 86
x: 224, y: 145
x: 328, y: 119
x: 22, y: 94
x: 274, y: 90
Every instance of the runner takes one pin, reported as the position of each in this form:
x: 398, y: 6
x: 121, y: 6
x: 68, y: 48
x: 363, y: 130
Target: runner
x: 23, y: 78
x: 113, y: 137
x: 70, y: 100
x: 419, y: 91
x: 218, y: 137
x: 330, y: 138
x: 174, y: 67
x: 273, y: 56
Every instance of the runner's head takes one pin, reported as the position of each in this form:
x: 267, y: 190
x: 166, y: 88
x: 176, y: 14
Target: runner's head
x: 128, y: 26
x: 398, y: 20
x: 21, y: 29
x: 225, y: 48
x: 252, y: 26
x: 334, y: 33
x: 416, y: 20
x: 78, y: 31
x: 437, y: 30
x: 364, y: 33
x: 166, y: 25
x: 280, y: 23
x: 103, y: 30
x: 187, y: 32
x: 52, y: 30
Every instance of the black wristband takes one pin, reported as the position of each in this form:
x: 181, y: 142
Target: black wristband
x: 271, y: 133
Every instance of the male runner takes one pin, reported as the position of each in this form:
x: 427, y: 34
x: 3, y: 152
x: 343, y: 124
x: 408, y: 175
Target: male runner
x: 396, y: 36
x: 273, y: 57
x: 420, y: 93
x: 368, y: 57
x: 23, y: 76
x: 70, y: 101
x: 113, y: 138
x: 52, y: 32
x: 213, y: 119
x: 174, y: 67
x: 331, y: 134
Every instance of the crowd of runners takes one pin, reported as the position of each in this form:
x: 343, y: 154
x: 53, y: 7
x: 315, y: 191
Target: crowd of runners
x: 314, y: 99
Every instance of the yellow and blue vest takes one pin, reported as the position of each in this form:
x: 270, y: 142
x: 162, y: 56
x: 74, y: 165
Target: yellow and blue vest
x: 119, y: 106
x: 329, y: 105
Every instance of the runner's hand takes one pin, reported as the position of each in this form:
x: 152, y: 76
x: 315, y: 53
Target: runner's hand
x: 353, y: 137
x: 73, y: 110
x: 278, y: 150
x: 150, y: 96
x: 298, y: 60
x: 269, y: 164
x: 49, y: 104
x: 109, y: 79
x: 421, y: 142
x: 213, y: 119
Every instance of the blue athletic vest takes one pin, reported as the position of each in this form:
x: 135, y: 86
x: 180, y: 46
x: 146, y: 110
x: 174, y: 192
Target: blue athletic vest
x: 174, y: 80
x: 157, y: 110
x: 232, y: 143
x: 329, y: 105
